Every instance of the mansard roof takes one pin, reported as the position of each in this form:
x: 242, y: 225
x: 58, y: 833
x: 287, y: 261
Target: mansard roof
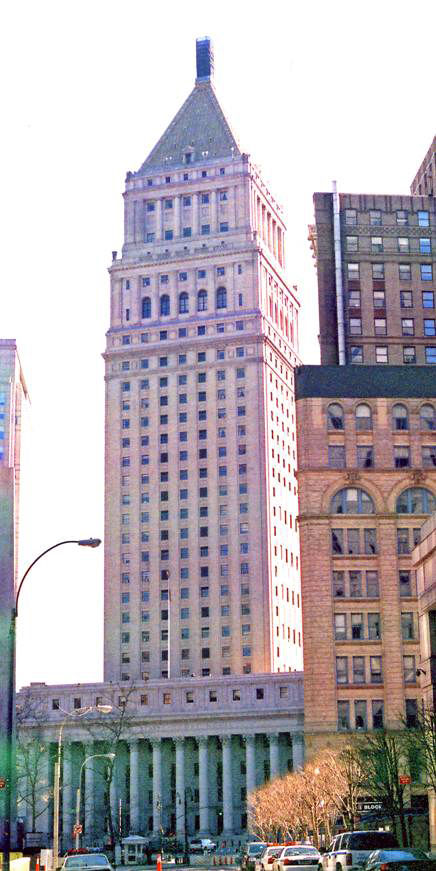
x: 200, y: 128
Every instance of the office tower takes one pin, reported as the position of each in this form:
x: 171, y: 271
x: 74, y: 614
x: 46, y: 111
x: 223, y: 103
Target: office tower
x: 201, y: 569
x: 12, y: 392
x: 367, y: 460
x: 424, y: 183
x: 376, y: 267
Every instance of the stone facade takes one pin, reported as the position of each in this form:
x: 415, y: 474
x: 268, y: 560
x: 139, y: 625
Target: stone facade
x: 205, y: 742
x: 367, y: 480
x: 424, y: 183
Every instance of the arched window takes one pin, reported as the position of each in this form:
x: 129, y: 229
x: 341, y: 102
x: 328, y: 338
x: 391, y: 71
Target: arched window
x: 400, y: 417
x: 363, y: 417
x: 183, y: 303
x: 202, y: 301
x: 352, y: 500
x: 221, y: 298
x: 427, y: 416
x: 335, y: 416
x: 165, y: 304
x: 416, y: 500
x: 146, y: 307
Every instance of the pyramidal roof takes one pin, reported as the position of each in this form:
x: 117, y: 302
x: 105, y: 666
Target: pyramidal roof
x: 200, y: 126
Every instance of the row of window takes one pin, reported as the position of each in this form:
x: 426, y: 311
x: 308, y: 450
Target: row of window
x: 378, y: 271
x: 223, y: 227
x: 184, y: 591
x: 381, y: 353
x: 365, y: 456
x: 377, y: 244
x: 376, y: 217
x: 363, y: 417
x: 381, y: 329
x: 368, y: 669
x: 379, y: 299
x: 355, y: 542
x: 183, y: 302
x: 359, y: 710
x: 184, y: 615
x: 205, y: 198
x: 186, y: 176
x: 361, y: 627
x: 353, y: 500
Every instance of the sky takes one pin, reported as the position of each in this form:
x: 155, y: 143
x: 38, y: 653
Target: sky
x: 314, y: 91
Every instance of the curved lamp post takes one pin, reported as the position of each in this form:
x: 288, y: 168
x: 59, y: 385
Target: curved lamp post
x: 83, y: 542
x: 110, y: 756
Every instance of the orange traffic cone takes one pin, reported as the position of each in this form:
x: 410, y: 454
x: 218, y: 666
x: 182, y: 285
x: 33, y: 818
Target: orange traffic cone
x: 37, y: 864
x: 159, y: 862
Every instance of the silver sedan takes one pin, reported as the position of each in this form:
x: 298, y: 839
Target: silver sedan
x: 302, y: 855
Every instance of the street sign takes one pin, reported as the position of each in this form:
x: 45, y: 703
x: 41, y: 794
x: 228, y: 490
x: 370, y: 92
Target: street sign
x: 2, y: 783
x: 405, y: 778
x: 77, y: 829
x: 367, y: 806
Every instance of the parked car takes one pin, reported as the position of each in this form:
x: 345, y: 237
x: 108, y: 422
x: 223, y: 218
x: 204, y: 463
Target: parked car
x: 351, y: 849
x: 266, y: 859
x: 303, y: 855
x: 399, y: 860
x: 250, y: 853
x: 86, y: 862
x: 202, y: 845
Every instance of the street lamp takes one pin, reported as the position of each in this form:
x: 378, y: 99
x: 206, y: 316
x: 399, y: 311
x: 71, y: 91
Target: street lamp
x: 83, y: 542
x: 78, y: 712
x: 110, y: 756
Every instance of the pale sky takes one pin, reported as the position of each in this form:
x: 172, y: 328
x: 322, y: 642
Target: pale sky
x: 314, y: 91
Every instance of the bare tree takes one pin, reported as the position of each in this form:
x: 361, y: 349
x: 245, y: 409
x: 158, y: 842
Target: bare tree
x: 381, y: 757
x: 33, y: 792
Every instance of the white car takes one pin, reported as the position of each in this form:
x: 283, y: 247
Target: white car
x: 202, y: 845
x: 303, y: 855
x: 265, y: 861
x: 86, y: 862
x: 349, y: 850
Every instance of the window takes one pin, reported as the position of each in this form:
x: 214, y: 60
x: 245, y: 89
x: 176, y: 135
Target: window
x: 423, y: 218
x: 404, y: 271
x: 165, y: 308
x: 351, y: 217
x: 221, y: 297
x: 363, y: 417
x: 360, y: 716
x: 407, y: 327
x: 381, y: 354
x: 340, y: 625
x: 352, y: 244
x: 403, y: 244
x: 407, y: 626
x: 376, y: 244
x: 401, y: 456
x: 341, y: 669
x: 205, y: 229
x: 429, y: 327
x: 355, y: 326
x: 406, y: 299
x: 426, y: 270
x: 375, y: 218
x: 402, y: 217
x: 405, y: 581
x: 365, y: 456
x: 335, y: 416
x: 429, y: 456
x: 353, y: 271
x: 375, y: 669
x: 224, y: 226
x: 374, y: 627
x: 336, y: 456
x: 427, y: 417
x: 380, y: 328
x: 400, y: 418
x: 378, y: 271
x: 359, y: 669
x: 183, y: 303
x: 343, y: 716
x: 430, y: 354
x: 424, y: 245
x: 352, y: 500
x: 372, y: 585
x: 357, y: 632
x: 409, y: 354
x: 409, y: 669
x: 356, y: 354
x: 202, y: 301
x: 416, y: 500
x: 379, y: 299
x: 377, y: 707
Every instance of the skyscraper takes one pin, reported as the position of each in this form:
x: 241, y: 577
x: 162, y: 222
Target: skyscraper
x: 201, y: 569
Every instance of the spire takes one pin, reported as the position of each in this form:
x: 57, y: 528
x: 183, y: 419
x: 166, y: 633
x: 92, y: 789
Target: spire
x: 200, y: 130
x: 204, y: 55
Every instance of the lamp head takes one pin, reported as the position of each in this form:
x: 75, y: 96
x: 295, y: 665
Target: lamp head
x: 104, y: 709
x: 89, y: 542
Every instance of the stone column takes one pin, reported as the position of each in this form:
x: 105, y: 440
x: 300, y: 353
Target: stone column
x: 158, y: 224
x: 157, y: 784
x: 89, y: 793
x: 297, y: 751
x: 195, y: 215
x: 226, y: 742
x: 204, y: 785
x: 177, y: 216
x: 274, y: 762
x: 250, y: 762
x: 214, y: 212
x: 67, y: 798
x: 180, y: 787
x: 134, y: 785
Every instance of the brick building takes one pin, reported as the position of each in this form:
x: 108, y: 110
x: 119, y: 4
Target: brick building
x: 424, y: 183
